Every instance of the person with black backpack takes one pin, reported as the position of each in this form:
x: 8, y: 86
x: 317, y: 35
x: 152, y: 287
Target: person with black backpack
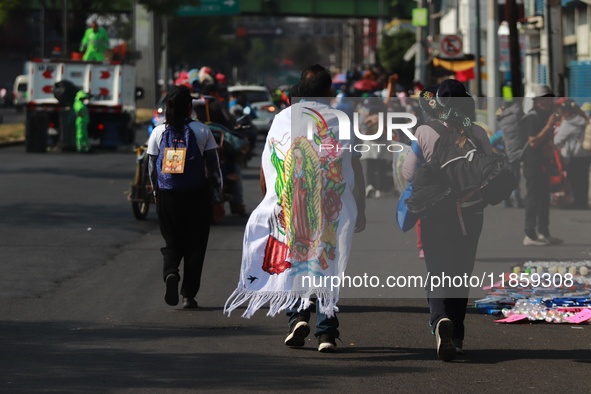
x: 457, y: 179
x: 183, y: 193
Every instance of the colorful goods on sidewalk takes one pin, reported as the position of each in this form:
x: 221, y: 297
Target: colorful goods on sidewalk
x: 549, y: 291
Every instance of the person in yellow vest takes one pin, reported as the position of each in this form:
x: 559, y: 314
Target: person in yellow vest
x: 82, y: 120
x: 94, y: 43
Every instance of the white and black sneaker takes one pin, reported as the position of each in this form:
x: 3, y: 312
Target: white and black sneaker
x: 527, y: 241
x: 297, y: 334
x: 327, y: 343
x: 446, y: 351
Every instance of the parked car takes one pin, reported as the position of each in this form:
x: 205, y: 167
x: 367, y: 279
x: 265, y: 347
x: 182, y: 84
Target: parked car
x: 261, y: 102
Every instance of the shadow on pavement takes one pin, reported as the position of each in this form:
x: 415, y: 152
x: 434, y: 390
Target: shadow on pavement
x: 495, y: 356
x: 74, y: 357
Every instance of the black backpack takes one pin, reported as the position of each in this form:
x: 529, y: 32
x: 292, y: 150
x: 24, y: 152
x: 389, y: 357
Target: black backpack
x: 64, y: 92
x: 464, y: 176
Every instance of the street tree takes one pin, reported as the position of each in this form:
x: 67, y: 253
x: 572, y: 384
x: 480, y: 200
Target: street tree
x: 391, y: 53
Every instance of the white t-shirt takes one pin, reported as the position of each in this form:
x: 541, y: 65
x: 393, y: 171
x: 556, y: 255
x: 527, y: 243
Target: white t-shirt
x: 203, y: 134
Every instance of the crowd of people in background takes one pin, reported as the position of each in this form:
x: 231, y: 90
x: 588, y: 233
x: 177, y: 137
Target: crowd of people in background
x: 380, y: 91
x: 508, y: 138
x: 564, y: 123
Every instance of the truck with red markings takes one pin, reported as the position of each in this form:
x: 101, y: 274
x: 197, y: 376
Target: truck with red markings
x: 112, y: 103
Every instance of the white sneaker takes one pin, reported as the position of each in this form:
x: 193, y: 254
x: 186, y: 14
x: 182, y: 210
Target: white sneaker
x: 369, y: 191
x: 527, y: 241
x: 378, y: 194
x: 550, y: 240
x: 446, y: 351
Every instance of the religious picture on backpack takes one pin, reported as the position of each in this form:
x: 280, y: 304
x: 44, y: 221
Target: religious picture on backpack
x: 174, y: 160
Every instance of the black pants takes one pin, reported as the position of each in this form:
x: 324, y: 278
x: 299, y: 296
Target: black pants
x: 185, y: 218
x: 449, y: 253
x: 537, y: 200
x: 516, y: 194
x: 577, y: 171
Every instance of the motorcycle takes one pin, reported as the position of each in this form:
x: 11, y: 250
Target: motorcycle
x: 141, y: 194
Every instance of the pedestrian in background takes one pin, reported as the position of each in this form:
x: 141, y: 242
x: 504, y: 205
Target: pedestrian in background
x: 184, y: 199
x: 212, y: 109
x: 514, y: 141
x: 538, y: 126
x: 376, y: 162
x: 569, y: 138
x: 94, y: 43
x: 82, y: 120
x: 448, y: 249
x: 217, y: 110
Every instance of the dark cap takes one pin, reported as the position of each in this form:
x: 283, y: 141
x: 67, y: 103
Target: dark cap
x: 452, y: 95
x: 450, y: 88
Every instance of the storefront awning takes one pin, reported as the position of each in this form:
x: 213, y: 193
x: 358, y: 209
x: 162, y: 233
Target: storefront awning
x: 455, y: 65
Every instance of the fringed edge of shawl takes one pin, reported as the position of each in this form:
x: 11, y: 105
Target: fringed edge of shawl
x: 279, y: 301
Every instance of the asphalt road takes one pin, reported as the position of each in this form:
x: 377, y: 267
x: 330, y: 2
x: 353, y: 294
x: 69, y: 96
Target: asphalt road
x: 82, y: 308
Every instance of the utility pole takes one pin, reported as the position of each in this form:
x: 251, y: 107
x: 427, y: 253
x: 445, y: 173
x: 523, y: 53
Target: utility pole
x: 514, y: 48
x: 478, y: 52
x: 555, y: 47
x: 42, y: 30
x: 65, y: 37
x: 434, y: 32
x: 164, y: 55
x: 492, y: 62
x: 420, y: 72
x: 145, y: 42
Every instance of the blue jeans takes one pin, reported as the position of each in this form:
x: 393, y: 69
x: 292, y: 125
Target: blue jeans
x: 324, y: 324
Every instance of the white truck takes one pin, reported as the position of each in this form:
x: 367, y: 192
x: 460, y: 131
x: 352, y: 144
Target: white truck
x: 112, y: 105
x: 20, y: 92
